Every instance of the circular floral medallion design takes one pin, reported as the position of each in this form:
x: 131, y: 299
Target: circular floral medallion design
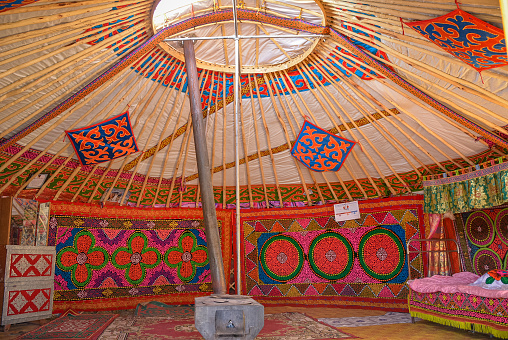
x: 187, y: 256
x: 480, y: 229
x: 381, y: 254
x: 485, y: 260
x: 136, y: 258
x: 502, y: 225
x: 82, y: 258
x: 281, y: 258
x: 331, y: 256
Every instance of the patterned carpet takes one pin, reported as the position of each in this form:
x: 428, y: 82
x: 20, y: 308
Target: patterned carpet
x: 283, y: 326
x: 73, y: 327
x: 389, y: 318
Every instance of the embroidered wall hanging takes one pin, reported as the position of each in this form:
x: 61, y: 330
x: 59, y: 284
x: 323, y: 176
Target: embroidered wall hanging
x: 320, y: 150
x: 110, y: 139
x: 118, y: 257
x: 486, y: 234
x: 468, y: 38
x: 296, y: 256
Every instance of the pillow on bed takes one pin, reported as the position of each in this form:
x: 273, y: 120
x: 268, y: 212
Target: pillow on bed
x: 494, y: 279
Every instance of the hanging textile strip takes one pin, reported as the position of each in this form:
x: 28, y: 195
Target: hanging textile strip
x: 102, y: 142
x: 320, y: 150
x: 479, y: 189
x: 117, y: 257
x: 302, y: 255
x: 475, y: 42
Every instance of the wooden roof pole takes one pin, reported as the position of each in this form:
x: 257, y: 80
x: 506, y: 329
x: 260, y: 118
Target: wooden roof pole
x: 26, y: 119
x: 152, y: 92
x: 368, y: 98
x: 253, y: 109
x: 55, y: 173
x: 182, y: 183
x: 288, y: 140
x: 40, y: 136
x: 459, y: 82
x: 163, y: 170
x: 280, y: 77
x: 85, y: 182
x: 126, y: 158
x: 245, y: 152
x: 417, y: 120
x: 224, y: 129
x: 385, y: 133
x: 166, y: 97
x: 424, y: 7
x: 322, y: 90
x: 295, y: 134
x: 361, y: 108
x: 34, y: 78
x: 209, y: 112
x: 54, y: 17
x: 209, y: 214
x: 286, y: 76
x: 152, y: 131
x: 177, y: 163
x: 78, y: 25
x: 223, y: 102
x: 84, y: 38
x: 267, y: 134
x: 60, y: 80
x: 353, y: 152
x: 408, y: 127
x: 184, y: 146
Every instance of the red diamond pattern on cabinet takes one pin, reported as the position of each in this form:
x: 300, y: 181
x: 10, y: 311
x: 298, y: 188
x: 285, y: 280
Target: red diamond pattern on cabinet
x: 28, y: 301
x: 30, y: 265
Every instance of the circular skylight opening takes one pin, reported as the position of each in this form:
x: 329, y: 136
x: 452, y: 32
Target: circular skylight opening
x: 256, y: 54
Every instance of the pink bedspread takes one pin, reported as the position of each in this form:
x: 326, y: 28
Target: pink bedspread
x: 454, y: 284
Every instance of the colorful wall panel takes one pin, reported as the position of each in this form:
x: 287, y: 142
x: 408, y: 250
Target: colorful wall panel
x: 301, y: 255
x: 117, y: 257
x: 486, y: 238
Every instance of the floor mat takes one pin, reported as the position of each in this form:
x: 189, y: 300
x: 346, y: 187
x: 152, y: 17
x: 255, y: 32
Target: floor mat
x: 283, y: 326
x: 387, y: 319
x: 72, y: 326
x: 159, y: 309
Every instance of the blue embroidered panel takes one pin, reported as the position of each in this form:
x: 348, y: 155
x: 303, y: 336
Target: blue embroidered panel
x: 320, y: 150
x: 468, y: 38
x: 110, y: 139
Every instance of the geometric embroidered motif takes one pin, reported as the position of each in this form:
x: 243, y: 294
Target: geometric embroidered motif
x: 28, y: 301
x: 320, y: 150
x: 30, y: 265
x: 105, y: 141
x: 305, y: 253
x: 466, y: 37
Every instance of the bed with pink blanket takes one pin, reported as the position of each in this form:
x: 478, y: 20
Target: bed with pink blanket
x: 464, y: 300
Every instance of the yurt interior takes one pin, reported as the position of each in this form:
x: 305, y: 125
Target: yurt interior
x: 253, y: 169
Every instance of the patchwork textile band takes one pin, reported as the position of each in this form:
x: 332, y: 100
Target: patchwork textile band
x: 110, y: 139
x: 320, y: 150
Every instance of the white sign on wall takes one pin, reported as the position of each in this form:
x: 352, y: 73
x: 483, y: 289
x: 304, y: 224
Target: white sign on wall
x: 346, y: 211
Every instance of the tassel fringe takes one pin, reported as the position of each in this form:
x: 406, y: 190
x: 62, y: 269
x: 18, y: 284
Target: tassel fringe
x: 468, y: 326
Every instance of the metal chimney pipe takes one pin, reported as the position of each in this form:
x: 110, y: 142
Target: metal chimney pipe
x: 205, y: 178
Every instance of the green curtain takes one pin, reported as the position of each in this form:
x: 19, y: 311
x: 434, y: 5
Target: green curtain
x: 459, y: 196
